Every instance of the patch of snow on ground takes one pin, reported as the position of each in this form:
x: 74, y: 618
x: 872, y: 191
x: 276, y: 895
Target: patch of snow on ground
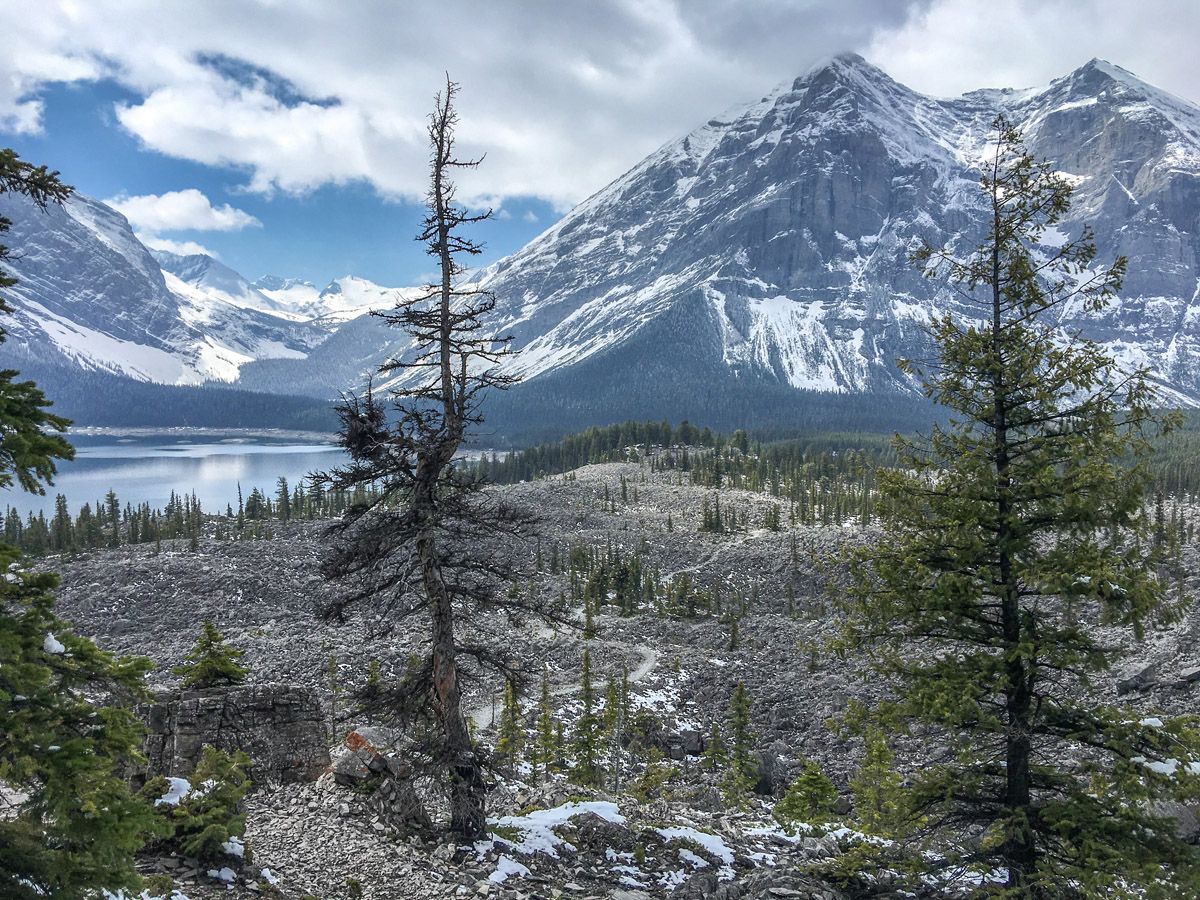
x: 710, y: 842
x: 1167, y: 766
x: 506, y: 868
x: 235, y: 847
x: 537, y: 828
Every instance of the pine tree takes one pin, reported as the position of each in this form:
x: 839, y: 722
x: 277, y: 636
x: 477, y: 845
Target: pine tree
x: 880, y: 802
x: 511, y: 738
x: 714, y: 758
x: 70, y: 823
x: 211, y: 662
x: 743, y: 763
x: 423, y: 541
x: 76, y: 825
x: 1010, y: 534
x: 588, y: 730
x: 32, y: 435
x: 548, y: 751
x: 203, y: 821
x: 810, y: 800
x: 113, y: 505
x: 589, y: 620
x: 283, y: 499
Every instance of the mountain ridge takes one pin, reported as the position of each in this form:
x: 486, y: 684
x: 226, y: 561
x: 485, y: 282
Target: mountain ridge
x: 765, y: 252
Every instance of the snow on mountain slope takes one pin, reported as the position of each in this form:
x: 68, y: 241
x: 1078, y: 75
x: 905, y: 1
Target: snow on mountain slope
x: 781, y: 232
x: 205, y: 276
x: 765, y: 252
x: 341, y: 300
x: 90, y: 294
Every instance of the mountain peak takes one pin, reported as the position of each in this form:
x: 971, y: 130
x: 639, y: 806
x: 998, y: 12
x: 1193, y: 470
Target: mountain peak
x: 1111, y: 70
x: 279, y: 283
x: 841, y: 65
x: 1097, y: 75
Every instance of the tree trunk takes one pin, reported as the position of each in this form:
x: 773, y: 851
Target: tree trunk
x: 466, y: 787
x: 1020, y: 851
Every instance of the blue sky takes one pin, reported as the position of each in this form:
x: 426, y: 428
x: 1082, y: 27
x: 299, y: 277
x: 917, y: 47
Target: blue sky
x: 316, y: 235
x: 288, y: 138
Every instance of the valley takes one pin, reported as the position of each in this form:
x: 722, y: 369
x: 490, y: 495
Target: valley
x: 267, y: 594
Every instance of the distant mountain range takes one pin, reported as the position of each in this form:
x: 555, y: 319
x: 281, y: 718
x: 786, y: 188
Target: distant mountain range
x: 754, y: 272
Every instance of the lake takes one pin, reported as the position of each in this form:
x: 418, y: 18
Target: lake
x: 145, y: 468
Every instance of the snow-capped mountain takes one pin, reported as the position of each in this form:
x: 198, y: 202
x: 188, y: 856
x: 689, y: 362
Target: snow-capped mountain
x: 202, y: 276
x: 756, y: 267
x: 771, y: 244
x: 91, y: 295
x: 341, y: 300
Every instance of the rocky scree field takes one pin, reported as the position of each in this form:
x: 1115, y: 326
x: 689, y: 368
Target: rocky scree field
x: 676, y: 835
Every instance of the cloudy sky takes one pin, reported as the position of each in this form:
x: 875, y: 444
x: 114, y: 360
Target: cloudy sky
x: 286, y: 136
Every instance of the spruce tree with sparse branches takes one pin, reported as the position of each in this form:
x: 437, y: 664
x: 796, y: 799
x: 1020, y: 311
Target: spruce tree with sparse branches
x: 427, y: 541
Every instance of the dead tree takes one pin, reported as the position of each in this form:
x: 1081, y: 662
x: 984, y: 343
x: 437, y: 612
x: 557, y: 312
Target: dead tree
x: 430, y: 541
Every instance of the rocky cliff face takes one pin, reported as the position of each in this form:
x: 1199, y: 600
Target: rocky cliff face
x: 281, y: 727
x: 91, y: 295
x: 781, y: 232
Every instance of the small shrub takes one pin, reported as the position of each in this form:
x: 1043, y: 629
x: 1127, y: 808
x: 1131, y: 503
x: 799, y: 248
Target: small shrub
x: 210, y: 814
x: 211, y: 662
x: 810, y: 799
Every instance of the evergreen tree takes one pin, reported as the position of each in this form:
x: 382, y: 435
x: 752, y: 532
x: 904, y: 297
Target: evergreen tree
x: 283, y: 499
x: 714, y: 758
x: 588, y: 730
x: 29, y: 444
x: 113, y: 507
x: 423, y: 543
x: 70, y: 823
x: 548, y: 751
x: 810, y: 800
x: 1010, y: 535
x: 743, y: 763
x: 204, y: 820
x: 211, y: 662
x: 880, y: 802
x: 62, y: 530
x: 511, y: 738
x: 75, y: 824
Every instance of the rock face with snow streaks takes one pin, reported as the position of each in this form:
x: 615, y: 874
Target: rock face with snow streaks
x: 781, y: 233
x: 745, y: 269
x: 91, y: 296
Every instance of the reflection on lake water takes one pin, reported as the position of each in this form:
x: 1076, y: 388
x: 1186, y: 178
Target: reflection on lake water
x: 148, y: 469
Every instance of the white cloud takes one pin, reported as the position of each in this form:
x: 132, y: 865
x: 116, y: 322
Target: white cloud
x: 187, y: 210
x: 953, y: 46
x: 182, y: 248
x: 561, y: 97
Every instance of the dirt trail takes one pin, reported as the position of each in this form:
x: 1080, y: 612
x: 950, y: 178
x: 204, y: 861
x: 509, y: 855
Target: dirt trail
x: 480, y: 714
